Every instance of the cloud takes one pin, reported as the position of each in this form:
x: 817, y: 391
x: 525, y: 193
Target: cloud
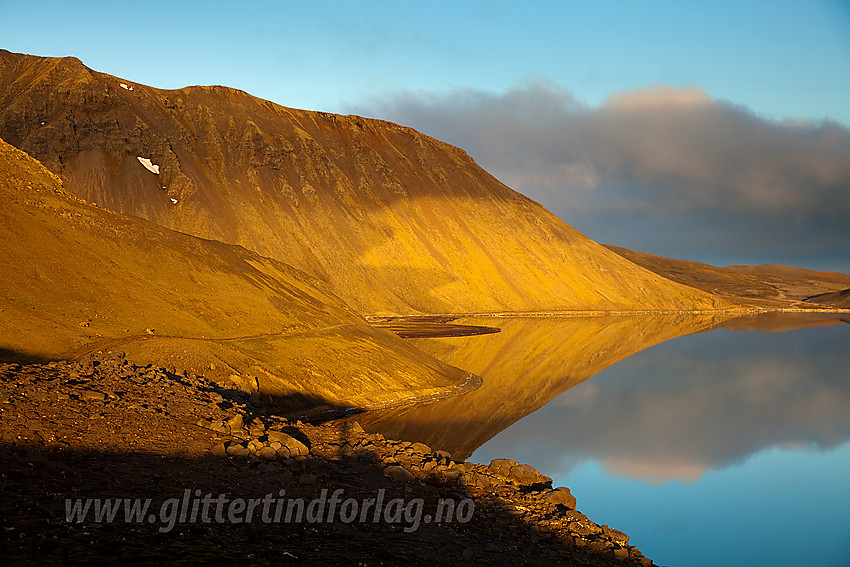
x: 656, y: 153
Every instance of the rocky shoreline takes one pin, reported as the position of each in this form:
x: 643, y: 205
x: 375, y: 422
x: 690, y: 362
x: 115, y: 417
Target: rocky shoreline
x: 105, y: 428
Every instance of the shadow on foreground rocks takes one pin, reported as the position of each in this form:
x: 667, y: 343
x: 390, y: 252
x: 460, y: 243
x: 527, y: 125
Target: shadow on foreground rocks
x: 227, y: 481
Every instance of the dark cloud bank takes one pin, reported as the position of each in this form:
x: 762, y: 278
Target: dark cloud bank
x: 662, y: 170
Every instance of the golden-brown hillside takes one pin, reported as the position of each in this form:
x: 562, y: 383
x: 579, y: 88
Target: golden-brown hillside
x: 394, y: 222
x: 77, y: 279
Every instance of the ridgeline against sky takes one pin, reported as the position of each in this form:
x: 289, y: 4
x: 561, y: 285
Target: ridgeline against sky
x: 392, y: 221
x: 711, y: 197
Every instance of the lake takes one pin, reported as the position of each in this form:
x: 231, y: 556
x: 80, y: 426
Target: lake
x: 708, y: 441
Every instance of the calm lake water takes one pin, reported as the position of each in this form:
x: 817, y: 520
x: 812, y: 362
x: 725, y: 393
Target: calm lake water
x: 709, y: 442
x: 724, y: 447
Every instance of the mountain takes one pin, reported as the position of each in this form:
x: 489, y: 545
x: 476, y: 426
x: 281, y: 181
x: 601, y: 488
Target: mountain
x: 768, y: 286
x: 392, y: 221
x: 79, y: 279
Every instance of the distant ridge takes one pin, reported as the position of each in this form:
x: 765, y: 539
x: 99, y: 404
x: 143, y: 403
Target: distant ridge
x: 393, y: 222
x: 768, y: 286
x: 834, y: 299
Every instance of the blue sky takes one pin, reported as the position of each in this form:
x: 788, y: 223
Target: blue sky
x: 779, y: 58
x: 769, y: 61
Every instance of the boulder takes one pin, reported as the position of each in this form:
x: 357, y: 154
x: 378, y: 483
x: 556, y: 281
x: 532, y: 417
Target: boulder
x: 561, y: 496
x: 526, y: 475
x: 450, y: 475
x: 238, y: 450
x: 296, y: 447
x: 501, y: 467
x: 236, y: 422
x: 522, y: 475
x: 616, y: 535
x: 267, y: 453
x: 398, y: 472
x: 277, y: 437
x: 421, y: 448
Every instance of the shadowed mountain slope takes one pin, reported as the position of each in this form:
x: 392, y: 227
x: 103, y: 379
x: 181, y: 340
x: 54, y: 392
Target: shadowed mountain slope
x: 393, y: 221
x: 78, y: 278
x: 839, y: 299
x: 767, y: 286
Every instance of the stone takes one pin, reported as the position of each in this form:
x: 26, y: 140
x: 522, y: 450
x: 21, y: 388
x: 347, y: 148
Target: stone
x: 443, y: 455
x: 236, y: 422
x: 93, y: 395
x: 526, y: 475
x: 616, y: 535
x: 296, y: 447
x: 599, y: 547
x: 238, y: 450
x: 421, y: 448
x: 219, y: 450
x: 483, y: 480
x: 575, y: 516
x: 501, y: 467
x: 277, y: 436
x: 561, y: 496
x: 398, y: 472
x: 450, y: 474
x: 267, y: 453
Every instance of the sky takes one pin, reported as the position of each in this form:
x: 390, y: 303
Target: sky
x: 710, y: 130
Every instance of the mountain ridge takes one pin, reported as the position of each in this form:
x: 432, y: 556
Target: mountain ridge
x: 394, y: 222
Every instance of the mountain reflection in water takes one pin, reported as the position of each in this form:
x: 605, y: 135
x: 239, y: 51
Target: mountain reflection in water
x: 695, y: 404
x: 710, y: 449
x: 674, y: 412
x: 530, y: 362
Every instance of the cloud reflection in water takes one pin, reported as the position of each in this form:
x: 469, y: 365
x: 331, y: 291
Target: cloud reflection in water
x: 693, y: 404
